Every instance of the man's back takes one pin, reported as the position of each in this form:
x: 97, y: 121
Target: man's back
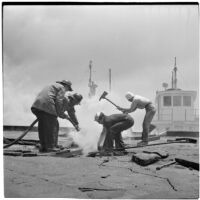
x: 48, y: 97
x: 115, y: 118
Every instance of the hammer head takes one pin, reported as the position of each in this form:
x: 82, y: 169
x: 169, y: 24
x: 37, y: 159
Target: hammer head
x: 103, y: 95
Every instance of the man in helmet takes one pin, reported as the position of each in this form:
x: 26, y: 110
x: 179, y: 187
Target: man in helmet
x: 141, y: 103
x: 113, y: 125
x: 47, y: 106
x: 69, y: 102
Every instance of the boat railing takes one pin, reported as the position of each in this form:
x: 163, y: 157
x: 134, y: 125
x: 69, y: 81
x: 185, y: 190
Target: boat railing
x: 173, y: 115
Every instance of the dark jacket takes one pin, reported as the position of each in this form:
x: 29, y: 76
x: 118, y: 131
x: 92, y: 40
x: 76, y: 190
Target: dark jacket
x: 115, y: 118
x: 69, y: 107
x: 50, y: 100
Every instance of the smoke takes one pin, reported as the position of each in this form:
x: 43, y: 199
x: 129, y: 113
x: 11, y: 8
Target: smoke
x: 88, y: 137
x: 90, y: 132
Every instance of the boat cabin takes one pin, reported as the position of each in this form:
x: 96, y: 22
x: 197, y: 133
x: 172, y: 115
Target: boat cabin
x: 176, y: 109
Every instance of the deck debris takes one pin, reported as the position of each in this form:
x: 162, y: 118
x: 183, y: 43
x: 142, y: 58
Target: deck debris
x: 166, y: 165
x: 146, y: 158
x: 104, y: 161
x: 87, y: 189
x: 187, y: 163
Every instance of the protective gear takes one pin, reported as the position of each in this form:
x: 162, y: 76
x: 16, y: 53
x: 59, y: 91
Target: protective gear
x: 98, y: 116
x: 77, y: 127
x: 129, y: 95
x: 66, y: 82
x: 77, y: 97
x: 67, y: 117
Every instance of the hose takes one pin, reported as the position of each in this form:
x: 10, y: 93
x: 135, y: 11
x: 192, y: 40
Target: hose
x: 21, y: 136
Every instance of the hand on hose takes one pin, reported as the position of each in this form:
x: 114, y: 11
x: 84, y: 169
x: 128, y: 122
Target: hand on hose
x: 77, y: 127
x: 67, y: 117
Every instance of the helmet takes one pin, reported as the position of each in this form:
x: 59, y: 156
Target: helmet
x: 66, y: 82
x: 98, y: 116
x: 129, y: 95
x: 77, y: 97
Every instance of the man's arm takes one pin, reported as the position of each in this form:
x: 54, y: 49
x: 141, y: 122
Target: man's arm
x: 72, y: 115
x: 132, y: 108
x: 59, y: 103
x: 102, y: 137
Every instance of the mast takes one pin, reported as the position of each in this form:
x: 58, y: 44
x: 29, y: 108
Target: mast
x: 174, y: 76
x: 109, y: 80
x: 92, y: 86
x: 90, y: 68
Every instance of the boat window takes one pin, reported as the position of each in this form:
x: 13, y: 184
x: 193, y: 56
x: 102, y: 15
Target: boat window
x: 167, y: 101
x: 187, y: 101
x: 176, y: 100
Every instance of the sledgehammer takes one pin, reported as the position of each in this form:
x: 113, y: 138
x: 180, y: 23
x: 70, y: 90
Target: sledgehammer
x: 103, y: 96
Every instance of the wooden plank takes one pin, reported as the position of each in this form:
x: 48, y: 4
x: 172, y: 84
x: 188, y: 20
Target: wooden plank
x: 12, y: 153
x: 150, y: 138
x: 66, y: 153
x: 187, y: 163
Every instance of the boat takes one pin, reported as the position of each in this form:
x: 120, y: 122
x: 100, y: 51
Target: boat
x: 176, y: 112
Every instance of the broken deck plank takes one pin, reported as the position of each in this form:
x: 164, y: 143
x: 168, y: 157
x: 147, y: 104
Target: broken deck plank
x: 187, y: 163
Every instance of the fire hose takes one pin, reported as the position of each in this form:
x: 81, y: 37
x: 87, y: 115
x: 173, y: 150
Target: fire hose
x: 29, y: 128
x: 21, y: 136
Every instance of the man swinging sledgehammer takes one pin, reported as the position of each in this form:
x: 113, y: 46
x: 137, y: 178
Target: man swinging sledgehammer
x: 141, y: 103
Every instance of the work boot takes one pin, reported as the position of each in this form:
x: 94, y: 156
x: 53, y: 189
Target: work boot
x: 42, y: 149
x: 60, y: 147
x: 120, y: 153
x: 142, y: 143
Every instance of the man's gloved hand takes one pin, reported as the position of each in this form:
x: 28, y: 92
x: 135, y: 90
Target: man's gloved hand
x: 99, y: 148
x: 67, y: 117
x: 77, y: 127
x: 121, y: 109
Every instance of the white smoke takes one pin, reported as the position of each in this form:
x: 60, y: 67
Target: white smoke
x: 90, y: 132
x: 88, y: 137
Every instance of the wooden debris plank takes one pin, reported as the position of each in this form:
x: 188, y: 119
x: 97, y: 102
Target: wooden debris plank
x: 187, y: 163
x: 12, y: 153
x: 151, y: 137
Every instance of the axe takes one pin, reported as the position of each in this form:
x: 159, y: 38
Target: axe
x: 103, y: 96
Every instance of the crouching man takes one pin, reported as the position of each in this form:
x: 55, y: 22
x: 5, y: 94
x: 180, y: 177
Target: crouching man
x: 113, y: 125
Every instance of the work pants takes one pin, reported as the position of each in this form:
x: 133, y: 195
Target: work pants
x: 48, y: 128
x: 114, y: 133
x: 147, y: 126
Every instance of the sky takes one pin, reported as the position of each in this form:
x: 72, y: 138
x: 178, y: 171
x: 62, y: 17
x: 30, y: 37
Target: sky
x: 44, y: 44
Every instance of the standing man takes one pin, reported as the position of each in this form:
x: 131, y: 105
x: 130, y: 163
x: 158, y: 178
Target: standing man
x: 113, y: 125
x: 47, y: 106
x: 141, y: 103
